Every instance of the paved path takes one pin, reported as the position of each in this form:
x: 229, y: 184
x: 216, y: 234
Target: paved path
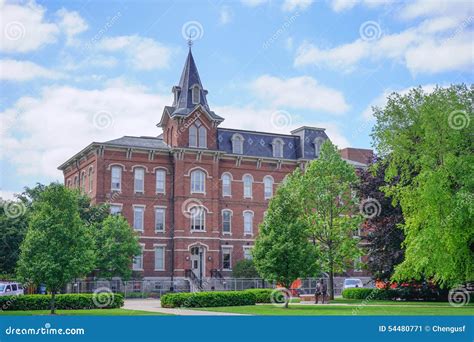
x: 154, y: 305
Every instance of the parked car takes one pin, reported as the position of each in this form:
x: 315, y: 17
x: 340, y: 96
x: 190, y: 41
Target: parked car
x: 11, y: 289
x: 352, y: 282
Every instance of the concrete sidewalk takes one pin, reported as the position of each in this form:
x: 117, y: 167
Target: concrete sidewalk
x: 154, y: 305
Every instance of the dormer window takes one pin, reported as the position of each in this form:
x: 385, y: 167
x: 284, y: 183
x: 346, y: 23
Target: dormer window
x: 237, y: 144
x: 176, y: 92
x: 318, y: 142
x: 197, y: 135
x: 277, y: 148
x: 196, y: 94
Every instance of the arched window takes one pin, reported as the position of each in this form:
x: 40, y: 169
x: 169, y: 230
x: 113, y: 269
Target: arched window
x: 160, y: 181
x: 226, y: 221
x: 91, y: 179
x: 318, y: 142
x: 116, y: 178
x: 196, y: 94
x: 237, y: 144
x: 198, y: 218
x: 76, y: 181
x: 198, y: 178
x: 226, y: 184
x: 198, y: 135
x: 268, y: 187
x: 83, y: 182
x: 139, y: 179
x: 248, y: 222
x: 277, y: 148
x: 248, y: 181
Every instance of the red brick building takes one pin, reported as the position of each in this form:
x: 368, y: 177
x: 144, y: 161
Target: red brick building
x: 196, y: 193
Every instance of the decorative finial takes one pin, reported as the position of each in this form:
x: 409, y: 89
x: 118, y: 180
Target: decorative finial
x: 190, y: 42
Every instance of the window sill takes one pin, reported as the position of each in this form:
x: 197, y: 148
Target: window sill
x: 227, y: 233
x: 160, y: 193
x: 137, y: 269
x: 160, y: 231
x: 160, y: 270
x: 197, y: 231
x: 248, y: 234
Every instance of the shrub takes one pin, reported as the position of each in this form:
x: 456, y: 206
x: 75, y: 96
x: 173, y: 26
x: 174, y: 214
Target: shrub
x: 207, y: 299
x: 244, y: 269
x: 403, y: 292
x: 375, y: 294
x: 261, y: 295
x: 63, y: 301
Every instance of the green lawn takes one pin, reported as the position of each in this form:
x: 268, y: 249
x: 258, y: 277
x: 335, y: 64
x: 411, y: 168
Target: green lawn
x: 92, y: 312
x: 352, y: 307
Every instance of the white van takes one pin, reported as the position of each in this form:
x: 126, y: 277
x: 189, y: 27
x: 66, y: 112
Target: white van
x: 11, y: 289
x: 352, y: 282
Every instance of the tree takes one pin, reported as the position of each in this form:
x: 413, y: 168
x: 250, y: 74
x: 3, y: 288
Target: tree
x: 244, y: 269
x: 384, y: 236
x: 58, y: 247
x: 282, y: 251
x: 427, y: 140
x: 330, y: 211
x: 116, y: 245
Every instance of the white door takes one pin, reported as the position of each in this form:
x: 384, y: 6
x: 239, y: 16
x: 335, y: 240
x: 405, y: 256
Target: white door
x: 197, y: 260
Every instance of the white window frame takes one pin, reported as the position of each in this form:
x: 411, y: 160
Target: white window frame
x: 248, y: 249
x: 83, y: 181
x: 158, y: 181
x: 238, y: 144
x: 116, y: 205
x: 248, y: 213
x: 248, y: 188
x: 135, y: 179
x: 163, y: 255
x: 277, y: 146
x: 161, y: 209
x: 193, y: 136
x: 229, y: 249
x: 196, y: 94
x: 226, y: 190
x: 193, y: 218
x: 267, y: 186
x: 140, y: 257
x: 91, y: 179
x: 230, y: 221
x: 200, y: 187
x: 120, y: 170
x: 202, y: 137
x: 142, y: 207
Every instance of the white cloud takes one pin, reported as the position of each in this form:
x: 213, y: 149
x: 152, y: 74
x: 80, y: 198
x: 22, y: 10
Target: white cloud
x: 71, y: 23
x: 262, y: 119
x: 302, y: 92
x: 24, y: 28
x: 67, y: 114
x: 253, y: 3
x: 426, y: 48
x: 225, y: 15
x: 292, y: 5
x: 381, y: 100
x: 13, y: 70
x: 142, y: 53
x: 428, y: 8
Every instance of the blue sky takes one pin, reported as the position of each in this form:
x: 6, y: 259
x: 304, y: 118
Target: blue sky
x: 73, y: 72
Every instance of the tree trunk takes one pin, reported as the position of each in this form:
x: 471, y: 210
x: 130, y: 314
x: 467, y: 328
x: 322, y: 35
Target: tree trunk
x: 53, y: 302
x: 286, y: 303
x: 331, y: 280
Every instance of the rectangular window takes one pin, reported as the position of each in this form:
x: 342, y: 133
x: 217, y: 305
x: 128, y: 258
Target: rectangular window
x: 115, y: 209
x: 193, y: 136
x: 160, y: 181
x: 159, y: 219
x: 160, y: 258
x: 138, y: 262
x: 248, y: 253
x: 197, y: 218
x: 197, y: 181
x: 248, y: 186
x: 139, y: 182
x: 138, y: 218
x: 248, y: 223
x: 116, y: 178
x: 227, y: 258
x: 226, y: 221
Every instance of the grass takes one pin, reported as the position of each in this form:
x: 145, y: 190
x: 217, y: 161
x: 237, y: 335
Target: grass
x: 346, y: 307
x: 92, y: 312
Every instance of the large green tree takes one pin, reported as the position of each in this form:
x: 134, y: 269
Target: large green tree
x: 58, y: 247
x: 427, y: 140
x: 283, y: 252
x: 330, y: 211
x: 116, y: 245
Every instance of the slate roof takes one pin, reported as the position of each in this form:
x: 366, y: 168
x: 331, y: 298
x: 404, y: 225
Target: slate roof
x: 140, y: 142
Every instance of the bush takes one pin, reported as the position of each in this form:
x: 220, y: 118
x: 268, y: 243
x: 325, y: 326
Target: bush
x: 261, y: 295
x: 207, y: 299
x: 244, y: 268
x: 63, y: 301
x: 403, y: 293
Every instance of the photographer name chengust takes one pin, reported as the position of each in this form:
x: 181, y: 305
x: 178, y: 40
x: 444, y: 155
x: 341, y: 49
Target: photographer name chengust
x: 420, y: 328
